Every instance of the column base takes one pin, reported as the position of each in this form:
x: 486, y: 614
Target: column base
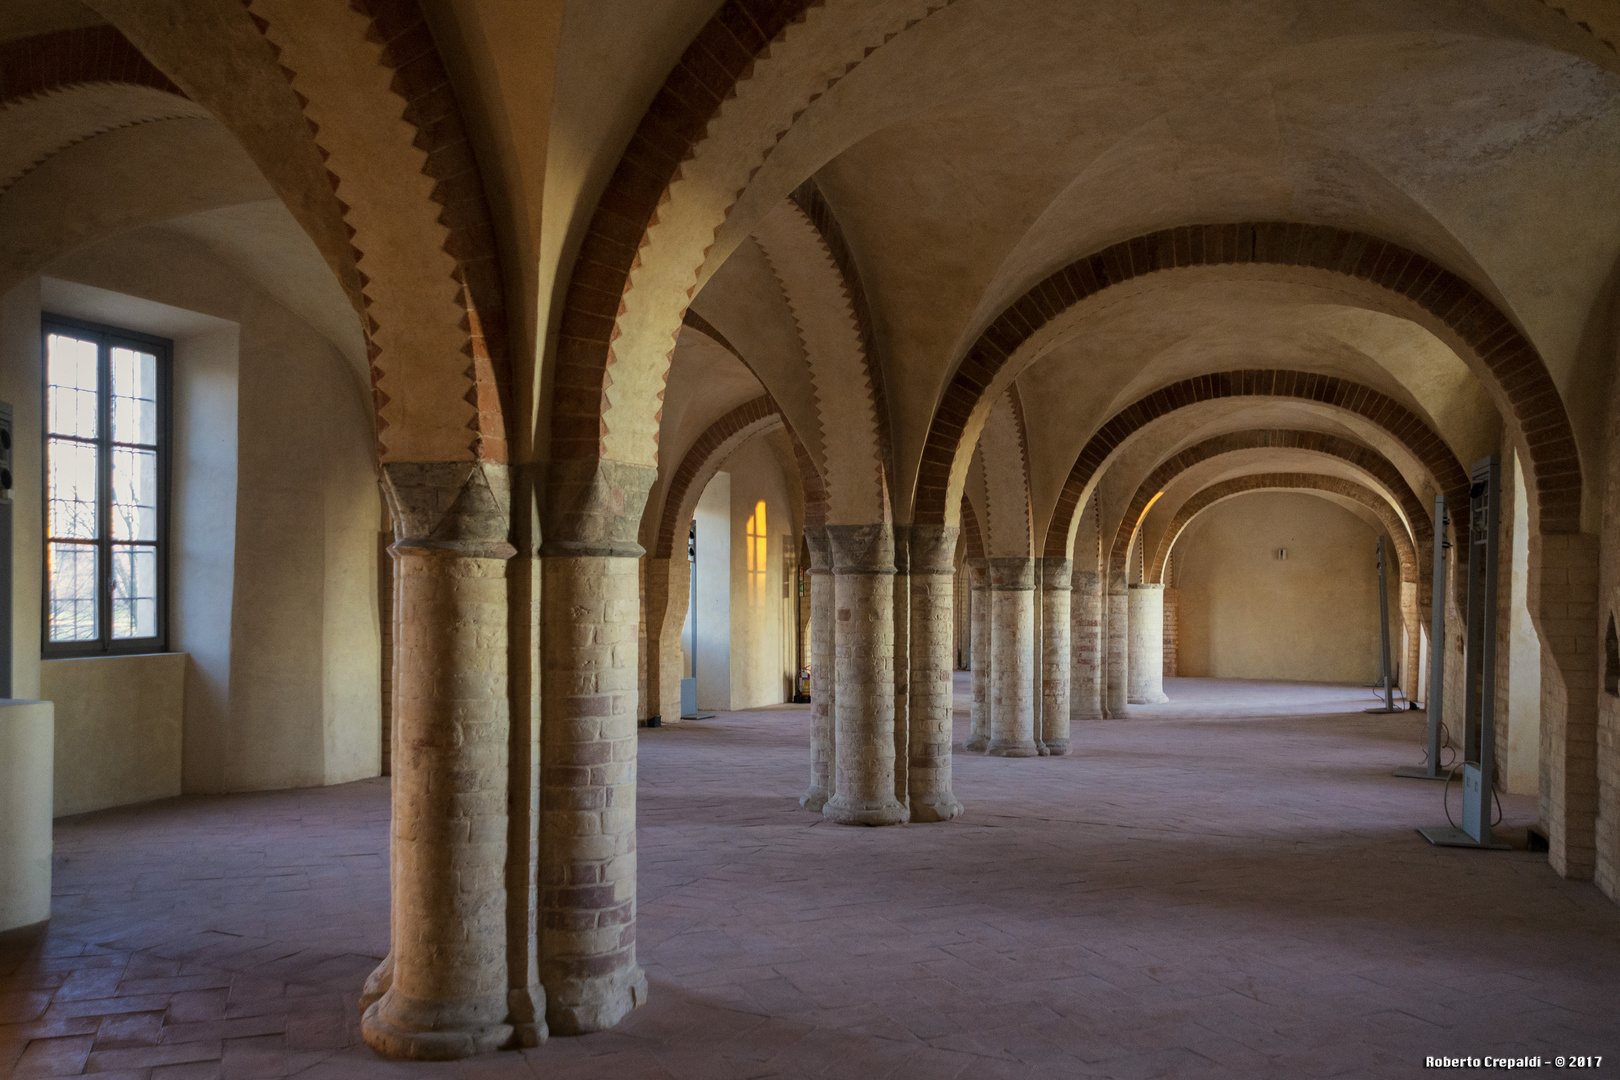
x: 1040, y: 748
x: 1012, y: 749
x: 1057, y: 747
x: 976, y: 744
x: 377, y: 983
x: 1156, y: 697
x: 814, y: 799
x: 595, y: 1004
x: 404, y: 1029
x: 846, y: 813
x: 942, y: 808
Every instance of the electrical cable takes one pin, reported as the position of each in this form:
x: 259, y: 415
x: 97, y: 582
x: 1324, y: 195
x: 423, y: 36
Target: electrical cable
x: 1445, y: 800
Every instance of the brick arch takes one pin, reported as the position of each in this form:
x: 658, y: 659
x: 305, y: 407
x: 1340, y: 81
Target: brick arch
x: 432, y: 297
x: 1420, y: 530
x: 1505, y: 361
x: 79, y: 83
x: 741, y: 85
x: 1394, y: 418
x: 48, y: 63
x: 717, y: 442
x: 723, y: 434
x: 1405, y: 553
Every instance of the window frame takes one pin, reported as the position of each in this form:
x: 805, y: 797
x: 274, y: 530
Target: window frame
x: 106, y: 339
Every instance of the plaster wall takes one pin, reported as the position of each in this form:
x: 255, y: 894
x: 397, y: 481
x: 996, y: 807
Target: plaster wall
x: 1523, y: 764
x: 273, y: 514
x: 761, y: 618
x: 26, y: 733
x: 119, y: 722
x: 711, y: 583
x: 1244, y: 613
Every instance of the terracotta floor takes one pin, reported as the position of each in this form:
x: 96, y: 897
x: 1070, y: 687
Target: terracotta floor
x: 1228, y: 885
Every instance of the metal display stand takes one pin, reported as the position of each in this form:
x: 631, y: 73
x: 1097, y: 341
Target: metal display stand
x: 1479, y: 717
x: 1386, y: 677
x: 1437, y: 654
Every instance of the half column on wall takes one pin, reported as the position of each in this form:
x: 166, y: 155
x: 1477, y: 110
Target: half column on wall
x: 980, y: 656
x: 1012, y: 636
x: 863, y: 586
x: 444, y: 986
x: 933, y: 605
x: 823, y: 697
x: 1118, y: 624
x: 1146, y: 676
x: 1055, y: 656
x: 1086, y: 654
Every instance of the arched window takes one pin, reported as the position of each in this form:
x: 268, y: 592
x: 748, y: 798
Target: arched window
x: 758, y: 550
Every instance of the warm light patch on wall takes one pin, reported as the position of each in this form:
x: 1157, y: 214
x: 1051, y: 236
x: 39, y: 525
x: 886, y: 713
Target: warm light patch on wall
x: 758, y: 549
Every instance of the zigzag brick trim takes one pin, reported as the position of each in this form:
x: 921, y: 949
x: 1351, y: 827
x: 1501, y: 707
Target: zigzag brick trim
x: 1406, y: 556
x: 971, y: 536
x: 1402, y: 424
x: 1368, y: 460
x: 722, y: 55
x: 422, y: 83
x: 1511, y: 361
x: 810, y: 201
x: 93, y: 54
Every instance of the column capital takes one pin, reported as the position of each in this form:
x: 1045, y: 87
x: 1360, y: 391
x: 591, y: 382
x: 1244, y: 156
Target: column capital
x: 862, y: 549
x: 455, y: 508
x: 933, y: 549
x: 815, y: 538
x: 1055, y: 573
x: 593, y: 509
x: 1014, y: 574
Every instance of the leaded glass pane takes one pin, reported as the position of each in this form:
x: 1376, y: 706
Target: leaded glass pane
x: 134, y: 397
x: 134, y: 494
x: 70, y: 386
x: 134, y: 592
x: 71, y: 574
x: 71, y: 479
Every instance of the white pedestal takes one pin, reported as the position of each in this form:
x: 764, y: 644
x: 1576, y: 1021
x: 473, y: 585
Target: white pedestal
x: 27, y: 764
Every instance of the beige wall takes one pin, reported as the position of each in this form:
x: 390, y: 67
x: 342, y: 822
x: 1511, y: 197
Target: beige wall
x: 26, y: 733
x: 273, y: 519
x: 119, y: 722
x: 1246, y: 614
x: 760, y: 619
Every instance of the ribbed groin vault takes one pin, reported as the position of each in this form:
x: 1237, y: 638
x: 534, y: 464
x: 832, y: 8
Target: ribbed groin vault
x: 596, y: 363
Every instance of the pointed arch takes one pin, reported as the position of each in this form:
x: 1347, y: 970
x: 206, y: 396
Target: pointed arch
x: 1417, y: 526
x: 1405, y: 553
x: 1488, y: 341
x: 1394, y: 418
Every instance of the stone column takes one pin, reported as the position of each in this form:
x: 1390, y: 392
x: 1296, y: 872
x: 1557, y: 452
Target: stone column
x: 1118, y: 627
x: 901, y: 584
x: 1172, y: 630
x: 1146, y: 676
x: 446, y: 987
x: 1086, y: 655
x: 1055, y: 656
x: 1037, y: 689
x: 979, y: 715
x: 933, y: 611
x: 863, y: 587
x: 822, y: 695
x: 1012, y: 634
x: 669, y: 597
x: 588, y: 791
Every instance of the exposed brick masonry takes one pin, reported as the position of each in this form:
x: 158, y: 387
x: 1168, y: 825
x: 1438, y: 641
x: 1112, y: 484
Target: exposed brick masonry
x: 1511, y: 361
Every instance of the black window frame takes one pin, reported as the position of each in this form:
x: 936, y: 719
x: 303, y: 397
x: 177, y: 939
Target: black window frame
x: 106, y: 338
